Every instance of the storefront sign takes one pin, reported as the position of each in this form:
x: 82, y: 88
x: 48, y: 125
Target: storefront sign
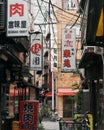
x: 17, y: 18
x: 28, y: 115
x: 68, y: 50
x: 36, y: 52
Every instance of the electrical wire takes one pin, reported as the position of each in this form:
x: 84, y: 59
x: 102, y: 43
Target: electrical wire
x: 38, y: 11
x: 54, y: 34
x: 63, y: 10
x: 41, y: 11
x: 75, y: 22
x: 54, y: 13
x: 66, y: 17
x: 72, y: 19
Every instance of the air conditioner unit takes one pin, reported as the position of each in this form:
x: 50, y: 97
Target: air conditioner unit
x: 98, y: 50
x: 95, y: 49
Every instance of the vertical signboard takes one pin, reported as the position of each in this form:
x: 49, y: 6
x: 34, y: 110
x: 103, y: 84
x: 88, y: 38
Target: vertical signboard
x: 28, y: 115
x: 17, y: 18
x: 36, y: 51
x: 68, y: 50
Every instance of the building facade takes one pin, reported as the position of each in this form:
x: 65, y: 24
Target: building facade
x: 65, y: 103
x: 15, y: 78
x: 92, y: 40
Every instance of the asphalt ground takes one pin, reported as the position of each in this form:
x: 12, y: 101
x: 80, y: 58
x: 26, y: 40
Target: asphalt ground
x: 50, y: 125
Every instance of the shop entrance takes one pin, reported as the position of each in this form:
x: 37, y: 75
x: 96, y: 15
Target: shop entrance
x: 68, y: 106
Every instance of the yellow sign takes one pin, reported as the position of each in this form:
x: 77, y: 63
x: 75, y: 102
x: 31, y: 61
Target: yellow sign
x: 15, y: 125
x: 100, y: 28
x: 90, y: 118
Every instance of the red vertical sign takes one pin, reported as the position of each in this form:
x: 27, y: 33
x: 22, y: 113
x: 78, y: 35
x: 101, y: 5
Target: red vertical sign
x: 28, y: 116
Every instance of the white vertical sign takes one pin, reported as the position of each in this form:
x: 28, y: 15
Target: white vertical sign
x: 17, y: 18
x: 36, y: 51
x: 68, y: 50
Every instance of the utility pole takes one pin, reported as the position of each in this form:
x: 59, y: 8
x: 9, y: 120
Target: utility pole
x: 51, y: 71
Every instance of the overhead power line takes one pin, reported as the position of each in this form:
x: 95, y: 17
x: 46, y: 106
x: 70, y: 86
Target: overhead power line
x: 64, y: 10
x: 52, y: 5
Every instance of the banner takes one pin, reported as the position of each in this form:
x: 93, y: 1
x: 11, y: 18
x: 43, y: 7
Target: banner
x: 68, y: 50
x: 28, y: 115
x: 36, y: 52
x: 17, y: 18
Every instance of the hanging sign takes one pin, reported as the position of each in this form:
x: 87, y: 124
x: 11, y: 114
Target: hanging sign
x: 36, y: 52
x: 17, y: 18
x: 28, y: 115
x: 68, y: 50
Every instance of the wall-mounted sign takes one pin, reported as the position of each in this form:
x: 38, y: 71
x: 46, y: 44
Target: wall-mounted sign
x: 68, y: 50
x: 17, y: 18
x: 36, y: 51
x: 28, y: 115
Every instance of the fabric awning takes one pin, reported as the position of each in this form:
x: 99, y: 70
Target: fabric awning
x: 67, y: 92
x: 49, y: 94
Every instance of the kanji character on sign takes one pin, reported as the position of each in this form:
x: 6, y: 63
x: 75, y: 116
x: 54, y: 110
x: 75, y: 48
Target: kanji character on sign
x: 17, y: 8
x: 28, y: 118
x: 28, y: 107
x: 36, y: 61
x: 68, y: 43
x: 67, y: 63
x: 67, y: 53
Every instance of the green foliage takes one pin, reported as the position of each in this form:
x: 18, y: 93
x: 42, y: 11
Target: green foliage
x: 40, y: 127
x: 75, y: 85
x: 79, y: 102
x: 43, y: 112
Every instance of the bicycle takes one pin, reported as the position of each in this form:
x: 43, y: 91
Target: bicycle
x: 83, y: 120
x: 62, y: 123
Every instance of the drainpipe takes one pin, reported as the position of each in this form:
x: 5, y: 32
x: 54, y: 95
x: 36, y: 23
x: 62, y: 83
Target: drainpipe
x: 53, y: 91
x: 103, y: 67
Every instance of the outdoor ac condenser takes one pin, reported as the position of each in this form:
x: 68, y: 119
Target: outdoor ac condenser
x: 95, y: 49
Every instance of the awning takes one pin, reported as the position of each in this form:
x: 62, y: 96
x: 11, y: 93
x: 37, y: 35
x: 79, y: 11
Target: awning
x: 48, y: 94
x: 67, y: 92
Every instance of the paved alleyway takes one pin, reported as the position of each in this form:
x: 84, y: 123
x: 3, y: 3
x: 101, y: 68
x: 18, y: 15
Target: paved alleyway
x: 49, y: 125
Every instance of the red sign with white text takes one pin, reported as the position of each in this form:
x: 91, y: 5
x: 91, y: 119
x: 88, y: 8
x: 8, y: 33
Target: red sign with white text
x: 28, y: 115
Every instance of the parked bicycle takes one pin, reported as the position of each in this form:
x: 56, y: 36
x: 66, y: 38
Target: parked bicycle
x: 83, y: 120
x: 62, y: 123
